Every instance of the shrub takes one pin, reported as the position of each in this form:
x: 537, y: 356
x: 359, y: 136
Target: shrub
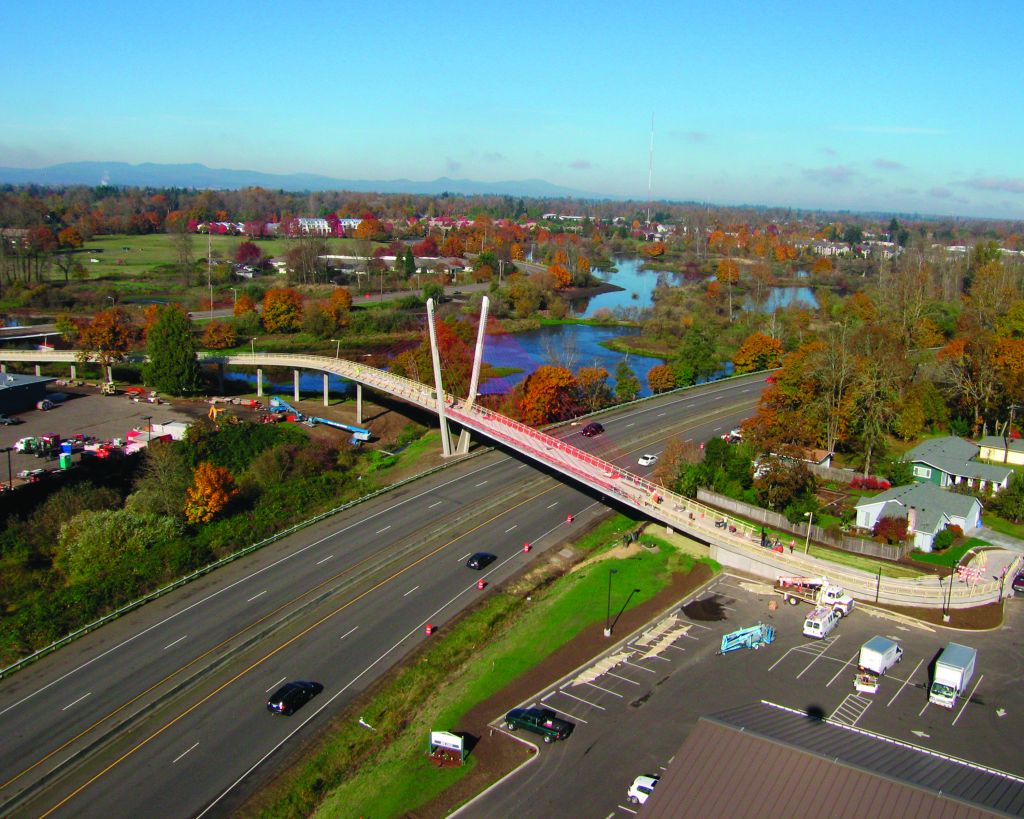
x: 870, y: 483
x: 957, y: 531
x: 890, y: 529
x: 943, y: 540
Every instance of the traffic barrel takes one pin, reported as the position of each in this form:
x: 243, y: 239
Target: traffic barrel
x: 526, y: 547
x: 481, y: 584
x: 429, y: 629
x: 568, y: 518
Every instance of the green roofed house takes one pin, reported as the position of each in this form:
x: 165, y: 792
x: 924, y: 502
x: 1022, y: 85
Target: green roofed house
x: 950, y: 461
x: 926, y: 508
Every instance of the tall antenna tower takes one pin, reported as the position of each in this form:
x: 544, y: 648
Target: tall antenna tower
x: 650, y: 170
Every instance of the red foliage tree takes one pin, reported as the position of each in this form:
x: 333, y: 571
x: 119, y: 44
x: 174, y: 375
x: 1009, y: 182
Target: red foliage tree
x: 426, y: 247
x: 248, y: 253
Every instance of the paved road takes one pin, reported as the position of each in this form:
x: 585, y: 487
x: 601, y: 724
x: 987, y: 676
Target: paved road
x: 366, y: 581
x: 633, y: 719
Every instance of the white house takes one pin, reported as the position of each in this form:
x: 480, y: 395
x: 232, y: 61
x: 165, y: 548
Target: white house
x: 926, y: 508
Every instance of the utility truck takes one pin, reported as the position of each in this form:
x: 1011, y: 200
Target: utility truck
x: 953, y: 672
x: 814, y: 590
x: 877, y: 656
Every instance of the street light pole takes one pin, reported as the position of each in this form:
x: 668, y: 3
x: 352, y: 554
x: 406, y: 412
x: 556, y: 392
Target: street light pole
x: 10, y: 476
x: 337, y: 350
x: 252, y: 343
x: 810, y: 520
x: 608, y: 611
x: 234, y: 297
x: 149, y: 427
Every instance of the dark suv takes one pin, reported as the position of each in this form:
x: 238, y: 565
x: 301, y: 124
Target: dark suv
x: 591, y: 429
x: 292, y: 696
x: 541, y: 721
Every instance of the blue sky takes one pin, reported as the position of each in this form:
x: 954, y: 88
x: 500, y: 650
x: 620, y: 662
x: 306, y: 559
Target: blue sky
x: 912, y: 107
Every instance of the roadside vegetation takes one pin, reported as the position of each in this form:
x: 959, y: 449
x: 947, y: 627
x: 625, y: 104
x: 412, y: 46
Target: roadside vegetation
x: 493, y: 644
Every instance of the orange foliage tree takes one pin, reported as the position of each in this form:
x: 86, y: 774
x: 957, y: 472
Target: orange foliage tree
x: 654, y: 249
x: 661, y: 378
x: 219, y: 335
x: 758, y: 352
x: 70, y: 237
x: 822, y: 265
x: 211, y: 490
x: 452, y: 246
x: 593, y: 386
x: 371, y: 230
x: 549, y: 394
x: 282, y: 310
x: 861, y: 305
x: 244, y: 305
x: 341, y: 299
x: 106, y: 338
x: 561, y: 275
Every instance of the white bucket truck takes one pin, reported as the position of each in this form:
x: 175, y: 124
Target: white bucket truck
x: 877, y: 656
x: 953, y: 672
x: 814, y: 590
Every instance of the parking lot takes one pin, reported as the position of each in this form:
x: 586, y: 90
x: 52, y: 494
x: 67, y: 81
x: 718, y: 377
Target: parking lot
x: 634, y: 706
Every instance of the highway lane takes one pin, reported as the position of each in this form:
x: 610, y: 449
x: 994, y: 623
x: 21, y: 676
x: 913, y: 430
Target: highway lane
x: 245, y: 600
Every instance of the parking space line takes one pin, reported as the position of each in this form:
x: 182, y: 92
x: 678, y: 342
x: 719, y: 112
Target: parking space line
x: 585, y: 702
x: 566, y: 713
x: 698, y: 625
x: 679, y: 648
x: 923, y: 708
x: 628, y: 809
x: 969, y: 698
x: 619, y: 677
x: 648, y: 670
x: 850, y: 710
x: 651, y: 656
x: 606, y: 690
x: 912, y: 673
x: 842, y: 669
x: 812, y: 662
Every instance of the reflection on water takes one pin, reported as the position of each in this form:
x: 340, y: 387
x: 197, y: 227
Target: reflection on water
x: 784, y: 297
x: 638, y: 286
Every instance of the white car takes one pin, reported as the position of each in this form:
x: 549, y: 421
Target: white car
x: 642, y: 787
x: 647, y: 460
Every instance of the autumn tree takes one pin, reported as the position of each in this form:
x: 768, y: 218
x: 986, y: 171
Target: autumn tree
x: 822, y: 265
x: 660, y: 378
x: 212, y: 489
x: 452, y: 246
x: 181, y: 242
x: 371, y: 230
x: 548, y: 394
x: 219, y: 335
x: 282, y: 310
x: 172, y: 367
x: 728, y: 273
x: 970, y: 369
x: 244, y: 304
x: 70, y: 238
x: 248, y: 253
x: 627, y: 385
x: 594, y: 392
x: 105, y: 339
x: 758, y: 352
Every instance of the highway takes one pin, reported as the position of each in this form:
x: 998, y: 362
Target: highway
x: 162, y: 711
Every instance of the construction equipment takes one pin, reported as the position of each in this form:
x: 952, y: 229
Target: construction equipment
x: 751, y: 637
x: 359, y: 435
x: 814, y: 590
x: 108, y: 388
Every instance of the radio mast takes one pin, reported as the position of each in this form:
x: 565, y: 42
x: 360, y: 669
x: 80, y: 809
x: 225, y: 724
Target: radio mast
x: 650, y: 170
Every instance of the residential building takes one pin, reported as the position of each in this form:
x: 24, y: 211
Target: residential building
x: 1002, y: 450
x: 926, y: 508
x: 950, y: 461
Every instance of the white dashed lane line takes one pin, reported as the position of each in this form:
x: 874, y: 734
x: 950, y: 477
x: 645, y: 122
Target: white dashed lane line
x: 183, y: 753
x: 410, y: 591
x: 324, y: 560
x: 183, y: 637
x: 66, y: 707
x: 256, y: 595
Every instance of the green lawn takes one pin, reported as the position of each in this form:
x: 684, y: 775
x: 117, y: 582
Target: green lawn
x: 950, y: 557
x: 477, y: 657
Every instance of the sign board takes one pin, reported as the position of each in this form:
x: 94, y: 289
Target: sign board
x: 444, y: 739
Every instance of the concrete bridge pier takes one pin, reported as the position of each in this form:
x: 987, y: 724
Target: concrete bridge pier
x: 74, y: 373
x: 295, y: 383
x: 110, y: 374
x: 359, y: 403
x: 326, y: 393
x: 3, y: 368
x: 259, y: 382
x: 39, y: 370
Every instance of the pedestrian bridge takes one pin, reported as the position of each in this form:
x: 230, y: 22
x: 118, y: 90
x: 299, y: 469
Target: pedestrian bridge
x: 736, y: 543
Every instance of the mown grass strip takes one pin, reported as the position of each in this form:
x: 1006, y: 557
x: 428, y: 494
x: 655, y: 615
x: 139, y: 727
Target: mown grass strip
x: 952, y: 556
x: 384, y: 772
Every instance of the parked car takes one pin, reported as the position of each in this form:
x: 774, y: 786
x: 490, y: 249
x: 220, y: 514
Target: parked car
x: 591, y: 429
x: 292, y: 695
x: 1018, y: 582
x: 6, y: 420
x: 642, y: 787
x: 481, y: 560
x: 647, y: 460
x: 541, y: 721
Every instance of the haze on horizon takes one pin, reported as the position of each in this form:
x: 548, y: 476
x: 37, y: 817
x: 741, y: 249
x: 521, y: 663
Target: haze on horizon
x: 903, y: 108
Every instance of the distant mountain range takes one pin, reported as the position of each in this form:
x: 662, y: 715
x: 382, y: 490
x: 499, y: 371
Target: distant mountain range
x: 194, y: 175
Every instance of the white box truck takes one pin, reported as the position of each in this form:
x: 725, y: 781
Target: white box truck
x: 877, y: 656
x: 953, y: 672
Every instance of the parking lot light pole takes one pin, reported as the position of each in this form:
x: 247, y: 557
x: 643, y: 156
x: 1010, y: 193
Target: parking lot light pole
x: 617, y: 616
x: 149, y: 427
x: 337, y: 350
x: 608, y: 611
x: 810, y: 520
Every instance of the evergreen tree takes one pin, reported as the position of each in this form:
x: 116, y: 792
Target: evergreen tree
x: 172, y: 367
x: 627, y: 385
x: 409, y: 264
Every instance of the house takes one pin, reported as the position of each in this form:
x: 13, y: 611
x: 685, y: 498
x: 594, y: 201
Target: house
x: 949, y: 461
x: 926, y: 508
x: 314, y: 226
x: 1001, y: 450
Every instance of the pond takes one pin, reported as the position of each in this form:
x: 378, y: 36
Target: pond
x: 784, y: 297
x: 638, y: 287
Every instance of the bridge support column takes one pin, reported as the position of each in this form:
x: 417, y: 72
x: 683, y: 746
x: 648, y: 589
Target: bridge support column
x: 110, y: 374
x: 446, y: 440
x: 474, y: 381
x: 220, y: 375
x: 295, y: 384
x: 3, y: 368
x: 359, y: 403
x: 259, y: 382
x: 39, y: 370
x: 74, y: 373
x: 327, y: 403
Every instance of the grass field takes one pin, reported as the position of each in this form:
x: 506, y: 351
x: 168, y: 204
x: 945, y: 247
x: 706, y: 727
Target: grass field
x: 952, y: 556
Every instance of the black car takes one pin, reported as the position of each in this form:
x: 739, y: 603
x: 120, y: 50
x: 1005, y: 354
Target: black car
x: 292, y: 696
x: 1018, y: 582
x: 541, y: 721
x: 481, y: 560
x: 591, y: 429
x: 6, y: 420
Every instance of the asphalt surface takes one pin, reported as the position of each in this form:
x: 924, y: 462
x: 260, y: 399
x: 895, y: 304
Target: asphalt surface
x: 163, y: 711
x: 632, y: 719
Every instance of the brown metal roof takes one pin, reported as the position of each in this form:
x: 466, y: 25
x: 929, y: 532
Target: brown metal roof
x: 765, y: 761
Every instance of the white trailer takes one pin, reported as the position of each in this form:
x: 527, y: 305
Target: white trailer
x: 953, y: 672
x: 877, y: 656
